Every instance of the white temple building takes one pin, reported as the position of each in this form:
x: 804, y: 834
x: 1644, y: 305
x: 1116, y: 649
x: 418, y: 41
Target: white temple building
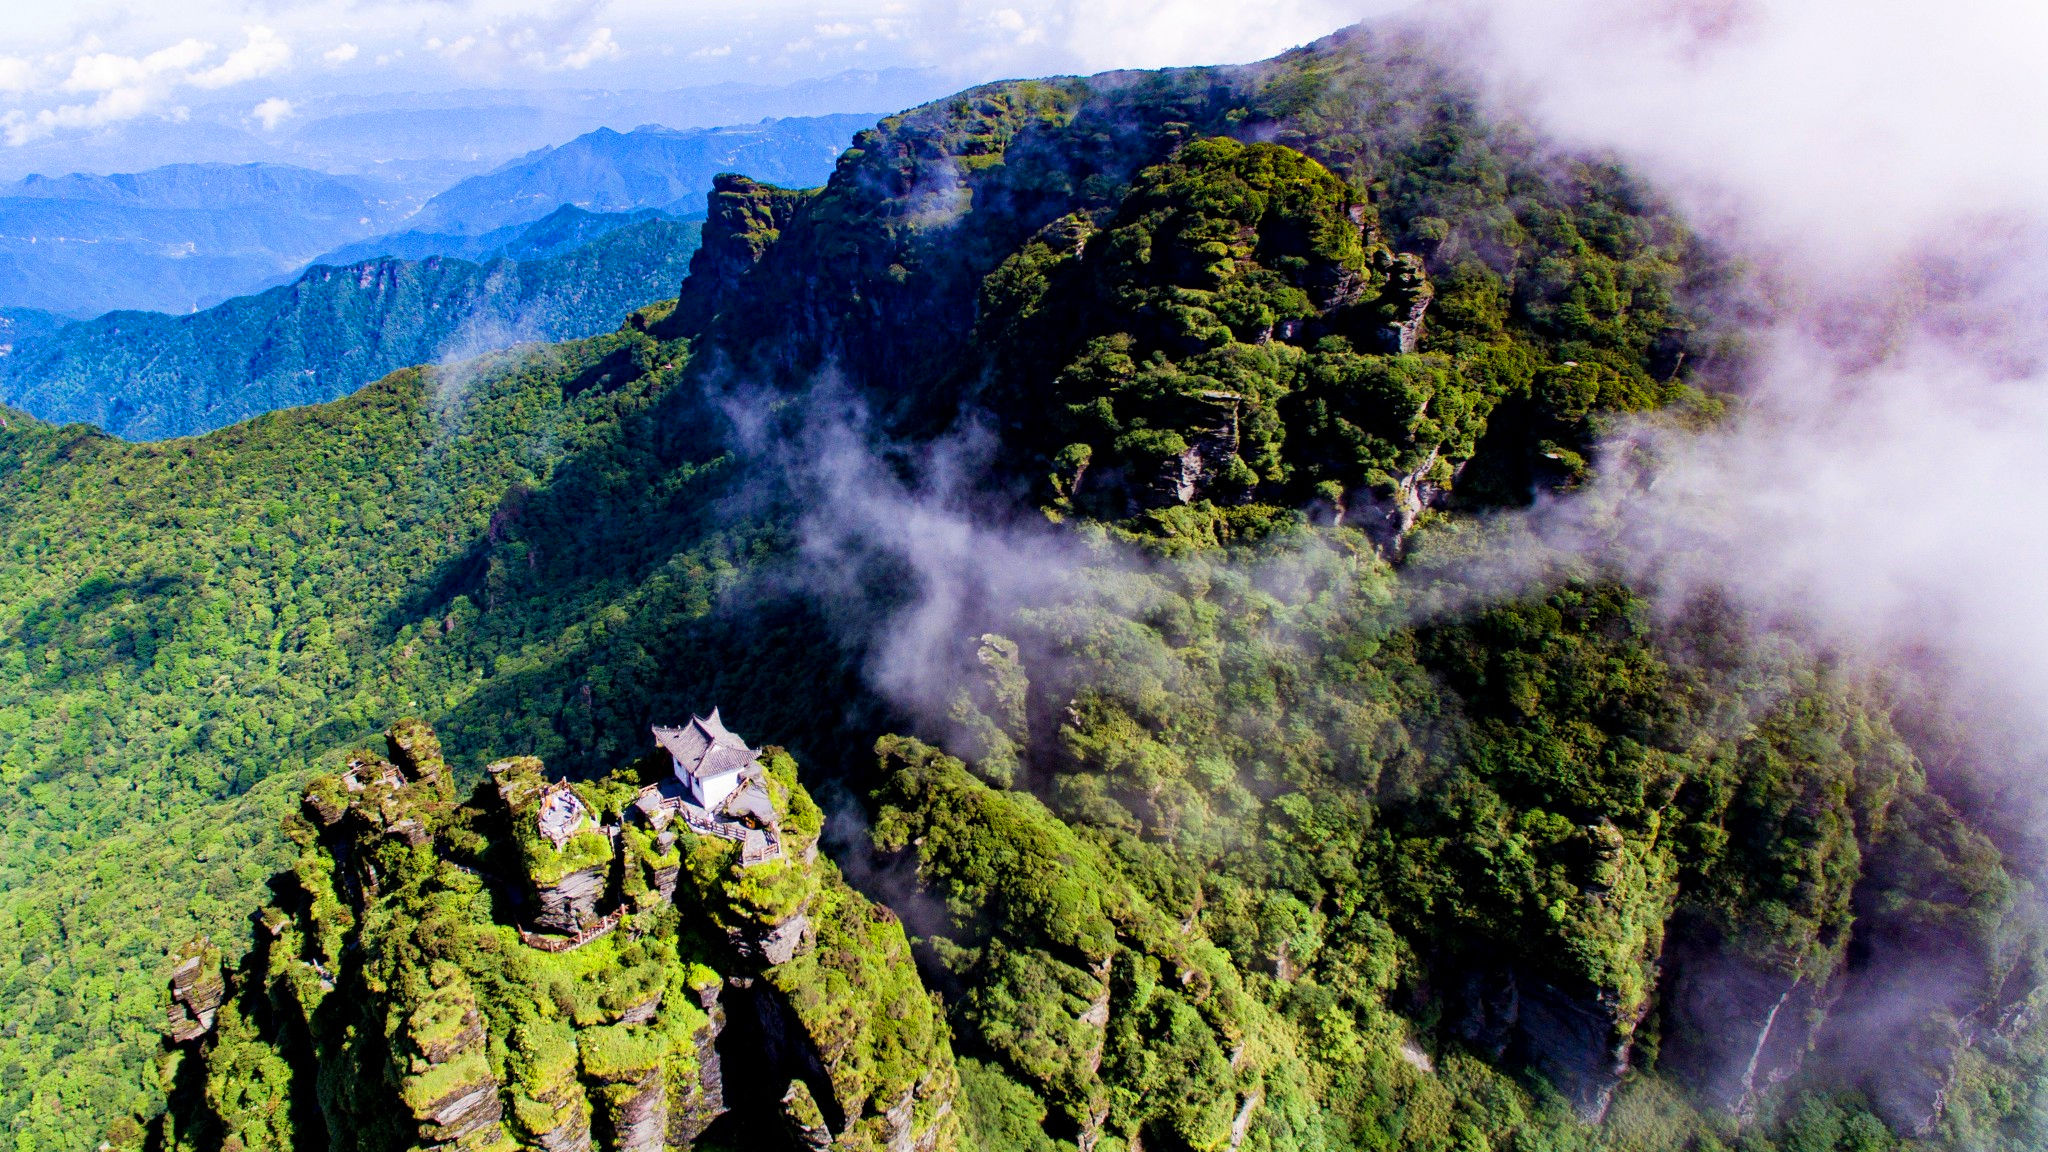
x: 708, y: 759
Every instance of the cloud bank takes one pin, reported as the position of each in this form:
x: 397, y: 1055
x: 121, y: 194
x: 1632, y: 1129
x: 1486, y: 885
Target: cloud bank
x: 126, y: 87
x: 136, y: 60
x: 1883, y: 484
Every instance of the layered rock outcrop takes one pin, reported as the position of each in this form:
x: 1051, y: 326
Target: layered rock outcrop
x: 527, y: 970
x: 444, y: 1075
x: 197, y: 989
x: 568, y: 867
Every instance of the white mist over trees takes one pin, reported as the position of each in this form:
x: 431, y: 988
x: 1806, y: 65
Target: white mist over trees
x: 1880, y: 479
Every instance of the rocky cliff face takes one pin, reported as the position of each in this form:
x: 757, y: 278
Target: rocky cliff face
x: 1740, y: 1028
x: 197, y: 989
x: 566, y: 881
x: 704, y: 1102
x: 445, y: 1079
x: 869, y: 1100
x: 401, y: 973
x: 743, y: 219
x: 1581, y: 1044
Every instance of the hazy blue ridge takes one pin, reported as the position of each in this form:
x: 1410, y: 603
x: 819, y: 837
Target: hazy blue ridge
x: 421, y: 142
x: 174, y: 239
x: 211, y: 187
x: 564, y: 230
x: 148, y: 375
x: 18, y: 325
x: 184, y: 237
x: 650, y: 167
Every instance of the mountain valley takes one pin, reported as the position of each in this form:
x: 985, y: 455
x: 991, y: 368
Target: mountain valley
x: 185, y: 237
x: 1074, y: 514
x: 145, y: 375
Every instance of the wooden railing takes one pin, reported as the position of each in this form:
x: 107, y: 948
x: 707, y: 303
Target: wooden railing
x: 700, y: 820
x: 770, y: 849
x: 565, y: 943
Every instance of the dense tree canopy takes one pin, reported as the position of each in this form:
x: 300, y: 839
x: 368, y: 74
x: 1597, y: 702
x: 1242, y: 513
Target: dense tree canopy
x: 1234, y: 835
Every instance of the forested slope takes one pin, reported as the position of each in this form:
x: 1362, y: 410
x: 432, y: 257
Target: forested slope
x: 149, y: 376
x: 186, y: 620
x: 1232, y: 821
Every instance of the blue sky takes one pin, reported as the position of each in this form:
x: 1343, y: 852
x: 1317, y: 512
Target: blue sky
x: 77, y: 66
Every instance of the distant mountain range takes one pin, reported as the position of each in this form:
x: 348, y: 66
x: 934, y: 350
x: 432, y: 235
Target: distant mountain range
x: 187, y: 236
x: 421, y: 142
x: 226, y: 290
x: 649, y: 167
x: 19, y: 325
x: 566, y: 228
x: 176, y: 238
x: 147, y: 375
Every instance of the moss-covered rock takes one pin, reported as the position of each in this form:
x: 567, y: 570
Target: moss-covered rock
x: 877, y: 1034
x: 567, y: 877
x: 763, y: 907
x: 393, y: 1000
x: 197, y: 989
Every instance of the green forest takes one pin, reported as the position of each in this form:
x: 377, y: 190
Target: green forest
x: 150, y: 376
x: 1247, y: 828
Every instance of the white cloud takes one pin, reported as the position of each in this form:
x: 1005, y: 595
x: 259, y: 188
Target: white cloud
x: 510, y: 42
x: 1882, y: 482
x: 1840, y: 122
x: 126, y: 87
x: 600, y: 46
x: 16, y: 74
x: 107, y: 72
x: 1026, y: 36
x: 271, y: 112
x: 114, y: 105
x: 262, y: 55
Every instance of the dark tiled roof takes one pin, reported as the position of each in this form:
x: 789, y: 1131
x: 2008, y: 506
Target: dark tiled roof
x: 704, y: 748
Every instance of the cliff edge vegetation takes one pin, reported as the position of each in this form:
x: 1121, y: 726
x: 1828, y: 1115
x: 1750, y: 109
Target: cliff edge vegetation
x: 1208, y: 810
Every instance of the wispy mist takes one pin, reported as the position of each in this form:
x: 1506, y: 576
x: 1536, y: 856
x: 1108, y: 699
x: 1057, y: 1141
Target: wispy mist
x: 1881, y: 483
x: 896, y: 542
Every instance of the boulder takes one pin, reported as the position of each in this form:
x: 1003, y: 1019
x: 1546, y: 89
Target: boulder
x: 566, y: 1127
x: 636, y: 1112
x: 471, y: 1110
x: 804, y: 1119
x: 417, y: 751
x: 778, y: 944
